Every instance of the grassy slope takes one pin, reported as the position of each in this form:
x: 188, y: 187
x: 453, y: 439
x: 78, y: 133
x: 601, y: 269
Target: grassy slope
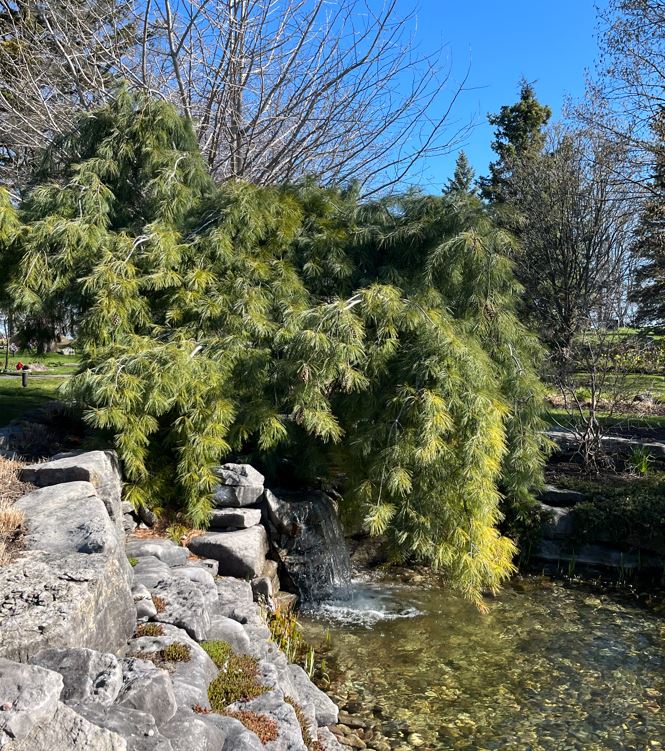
x: 56, y: 363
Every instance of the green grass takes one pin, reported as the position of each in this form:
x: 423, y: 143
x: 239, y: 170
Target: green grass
x: 16, y: 400
x: 559, y: 417
x: 56, y: 363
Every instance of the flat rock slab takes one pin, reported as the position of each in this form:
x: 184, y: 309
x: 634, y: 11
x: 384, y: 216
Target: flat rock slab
x: 241, y: 553
x: 137, y: 728
x: 56, y: 600
x: 560, y: 497
x: 99, y: 468
x: 165, y: 550
x: 235, y: 518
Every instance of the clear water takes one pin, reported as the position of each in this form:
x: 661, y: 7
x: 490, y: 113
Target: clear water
x: 547, y: 669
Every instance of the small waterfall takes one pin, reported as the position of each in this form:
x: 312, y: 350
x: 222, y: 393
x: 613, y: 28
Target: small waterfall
x: 308, y: 539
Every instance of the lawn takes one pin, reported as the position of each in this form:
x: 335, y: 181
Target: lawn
x: 56, y: 363
x: 16, y: 400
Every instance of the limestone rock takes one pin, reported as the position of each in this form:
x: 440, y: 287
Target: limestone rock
x: 233, y: 594
x: 328, y: 741
x: 188, y: 731
x: 100, y: 468
x: 166, y: 550
x: 28, y: 698
x: 272, y: 705
x: 206, y: 563
x: 191, y: 678
x: 149, y: 571
x: 202, y: 578
x: 236, y: 735
x: 88, y: 675
x: 56, y: 600
x: 560, y: 497
x: 241, y: 553
x: 145, y: 607
x: 262, y: 590
x: 228, y: 630
x: 69, y: 731
x: 235, y: 518
x: 147, y: 688
x: 68, y: 518
x: 137, y: 728
x: 240, y: 485
x: 558, y: 523
x: 184, y: 606
x: 326, y: 710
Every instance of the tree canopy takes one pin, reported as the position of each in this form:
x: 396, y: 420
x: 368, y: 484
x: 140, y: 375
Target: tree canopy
x: 367, y: 345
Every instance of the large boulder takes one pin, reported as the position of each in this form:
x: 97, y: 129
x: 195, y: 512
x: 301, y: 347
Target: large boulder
x: 240, y: 485
x: 69, y: 518
x: 64, y: 600
x: 188, y: 731
x: 99, y: 468
x: 560, y: 497
x: 230, y: 631
x: 138, y: 729
x: 241, y: 553
x: 87, y: 675
x: 308, y: 540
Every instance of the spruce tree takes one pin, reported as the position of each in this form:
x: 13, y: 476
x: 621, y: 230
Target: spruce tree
x: 519, y: 132
x: 462, y: 179
x: 371, y: 345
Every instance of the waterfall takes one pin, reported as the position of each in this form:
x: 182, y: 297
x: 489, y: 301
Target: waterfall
x: 308, y: 539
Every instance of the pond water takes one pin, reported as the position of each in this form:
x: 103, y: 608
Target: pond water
x: 549, y: 668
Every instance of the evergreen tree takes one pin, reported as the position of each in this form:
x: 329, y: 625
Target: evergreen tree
x: 462, y: 179
x: 372, y: 346
x: 519, y: 132
x: 649, y: 293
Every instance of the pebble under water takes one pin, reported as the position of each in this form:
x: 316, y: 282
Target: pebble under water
x: 547, y: 669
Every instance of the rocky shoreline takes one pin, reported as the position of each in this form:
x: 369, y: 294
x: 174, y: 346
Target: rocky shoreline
x: 97, y: 653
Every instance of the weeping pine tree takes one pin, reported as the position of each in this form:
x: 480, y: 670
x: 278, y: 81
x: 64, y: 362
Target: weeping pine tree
x: 372, y: 342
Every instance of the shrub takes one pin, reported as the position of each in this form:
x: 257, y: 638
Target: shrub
x: 238, y: 681
x: 149, y: 629
x: 262, y: 725
x: 160, y: 603
x: 177, y: 652
x: 218, y: 651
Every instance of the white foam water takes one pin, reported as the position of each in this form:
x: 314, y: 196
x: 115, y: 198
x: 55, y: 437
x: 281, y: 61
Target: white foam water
x: 366, y: 606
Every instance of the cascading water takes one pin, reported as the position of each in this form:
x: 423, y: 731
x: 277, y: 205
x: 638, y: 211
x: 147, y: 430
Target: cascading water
x: 308, y: 538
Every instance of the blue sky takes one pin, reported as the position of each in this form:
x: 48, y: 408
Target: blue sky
x: 549, y: 42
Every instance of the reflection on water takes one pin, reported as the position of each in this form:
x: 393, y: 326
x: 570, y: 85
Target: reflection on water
x: 547, y: 669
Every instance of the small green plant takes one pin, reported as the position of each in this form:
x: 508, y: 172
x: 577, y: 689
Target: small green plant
x: 261, y: 725
x: 177, y: 652
x: 308, y: 663
x: 218, y: 651
x: 149, y: 629
x: 177, y: 532
x: 287, y: 633
x: 133, y: 561
x: 238, y: 681
x: 640, y: 460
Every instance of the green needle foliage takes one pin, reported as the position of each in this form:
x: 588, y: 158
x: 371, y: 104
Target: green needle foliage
x: 374, y: 344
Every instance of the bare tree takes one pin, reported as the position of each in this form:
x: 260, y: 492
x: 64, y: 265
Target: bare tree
x: 576, y: 227
x: 276, y: 89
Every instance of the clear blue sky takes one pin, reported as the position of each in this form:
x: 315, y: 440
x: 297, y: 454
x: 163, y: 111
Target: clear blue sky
x: 549, y: 42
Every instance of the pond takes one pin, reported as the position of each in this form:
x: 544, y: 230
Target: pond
x: 548, y: 668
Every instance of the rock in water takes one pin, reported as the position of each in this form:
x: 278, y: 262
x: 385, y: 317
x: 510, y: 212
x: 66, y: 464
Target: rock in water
x: 309, y: 541
x: 241, y: 553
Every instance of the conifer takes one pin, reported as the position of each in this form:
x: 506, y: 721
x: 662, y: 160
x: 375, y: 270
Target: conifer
x: 371, y: 345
